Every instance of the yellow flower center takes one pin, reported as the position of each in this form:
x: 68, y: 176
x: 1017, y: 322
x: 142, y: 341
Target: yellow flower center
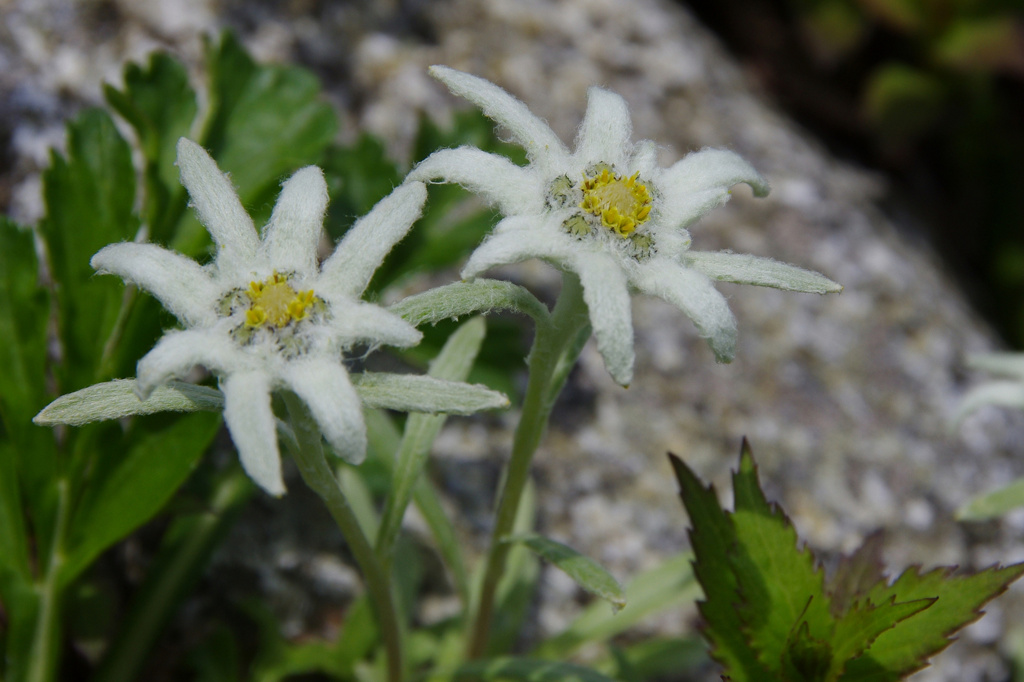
x: 274, y: 302
x: 621, y: 203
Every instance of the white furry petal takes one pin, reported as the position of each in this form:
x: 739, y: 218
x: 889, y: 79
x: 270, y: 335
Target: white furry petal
x: 357, y: 257
x: 607, y: 295
x: 695, y: 295
x: 325, y: 388
x: 179, y: 351
x: 701, y: 182
x: 514, y: 240
x: 532, y: 133
x: 605, y: 131
x: 512, y: 188
x: 250, y: 420
x: 356, y: 322
x: 181, y: 284
x: 291, y: 237
x: 218, y: 207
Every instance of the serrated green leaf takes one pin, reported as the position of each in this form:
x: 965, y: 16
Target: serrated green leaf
x: 713, y: 539
x: 856, y: 574
x: 993, y: 504
x: 161, y: 106
x: 418, y: 393
x: 508, y: 669
x: 587, y: 573
x: 150, y: 472
x: 90, y: 198
x: 861, y: 625
x: 780, y: 586
x: 905, y: 648
x: 804, y: 658
x: 116, y: 399
x: 26, y: 452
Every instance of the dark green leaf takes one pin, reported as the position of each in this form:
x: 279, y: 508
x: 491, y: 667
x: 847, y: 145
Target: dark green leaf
x: 89, y: 198
x: 857, y: 574
x: 138, y: 487
x: 862, y: 624
x: 713, y: 539
x: 357, y: 177
x: 161, y: 106
x: 587, y: 573
x: 780, y: 586
x: 906, y: 648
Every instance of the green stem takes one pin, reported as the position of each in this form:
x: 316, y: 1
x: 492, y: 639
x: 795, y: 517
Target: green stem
x: 44, y: 655
x: 318, y: 475
x: 549, y: 344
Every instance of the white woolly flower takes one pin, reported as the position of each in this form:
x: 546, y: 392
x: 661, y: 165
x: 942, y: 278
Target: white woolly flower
x: 263, y: 315
x: 609, y: 214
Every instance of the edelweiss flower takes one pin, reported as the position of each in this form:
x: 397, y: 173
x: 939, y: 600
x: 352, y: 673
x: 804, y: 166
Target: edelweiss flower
x: 263, y: 316
x: 609, y: 214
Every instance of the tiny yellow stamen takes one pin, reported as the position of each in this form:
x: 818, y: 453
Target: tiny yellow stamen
x: 274, y: 302
x: 621, y: 203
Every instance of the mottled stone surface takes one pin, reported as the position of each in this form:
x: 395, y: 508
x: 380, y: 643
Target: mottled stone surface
x: 846, y: 399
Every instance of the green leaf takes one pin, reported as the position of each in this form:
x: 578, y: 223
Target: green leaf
x: 857, y: 574
x: 587, y: 573
x: 26, y: 452
x: 993, y: 504
x: 669, y: 585
x: 742, y: 268
x: 508, y: 669
x: 980, y: 45
x: 151, y: 471
x: 89, y: 199
x: 451, y: 364
x: 905, y: 648
x: 358, y: 177
x: 780, y: 586
x: 161, y: 106
x: 418, y: 393
x: 455, y: 300
x: 116, y: 399
x: 862, y: 624
x: 713, y: 539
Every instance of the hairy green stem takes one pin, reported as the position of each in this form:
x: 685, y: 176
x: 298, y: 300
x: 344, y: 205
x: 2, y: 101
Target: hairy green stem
x: 44, y: 655
x: 320, y: 477
x: 549, y: 345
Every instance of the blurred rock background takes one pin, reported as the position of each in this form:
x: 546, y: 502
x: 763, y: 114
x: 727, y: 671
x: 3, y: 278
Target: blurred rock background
x: 846, y: 400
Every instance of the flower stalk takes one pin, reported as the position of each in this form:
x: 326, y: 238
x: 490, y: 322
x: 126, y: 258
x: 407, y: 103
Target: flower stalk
x: 550, y: 343
x: 308, y: 454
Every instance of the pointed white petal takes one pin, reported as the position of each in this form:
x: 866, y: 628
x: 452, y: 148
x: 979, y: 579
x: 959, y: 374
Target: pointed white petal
x: 741, y: 268
x: 325, y: 388
x: 514, y: 189
x: 998, y: 393
x: 291, y: 237
x: 645, y: 159
x: 607, y: 295
x: 250, y: 420
x: 695, y: 295
x: 357, y: 257
x: 179, y: 351
x: 1001, y: 364
x: 701, y: 181
x: 218, y: 207
x: 532, y: 133
x: 358, y: 322
x: 181, y: 284
x: 517, y: 239
x: 605, y: 131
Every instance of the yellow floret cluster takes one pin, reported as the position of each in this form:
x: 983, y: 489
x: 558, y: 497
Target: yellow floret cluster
x: 273, y: 301
x: 621, y: 203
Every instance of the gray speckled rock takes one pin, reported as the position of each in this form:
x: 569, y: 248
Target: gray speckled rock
x: 846, y: 399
